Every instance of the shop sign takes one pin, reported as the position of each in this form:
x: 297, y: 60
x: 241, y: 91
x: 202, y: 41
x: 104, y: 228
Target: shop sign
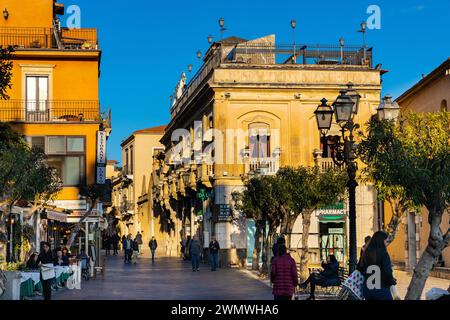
x: 335, y: 230
x: 225, y: 212
x: 101, y: 147
x: 101, y: 175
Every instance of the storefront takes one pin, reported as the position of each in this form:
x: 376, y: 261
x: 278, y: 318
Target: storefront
x: 332, y: 232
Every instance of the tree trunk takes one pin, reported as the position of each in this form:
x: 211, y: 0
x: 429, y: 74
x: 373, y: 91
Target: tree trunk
x: 257, y: 248
x: 392, y: 227
x: 78, y: 226
x: 304, y: 258
x: 436, y: 244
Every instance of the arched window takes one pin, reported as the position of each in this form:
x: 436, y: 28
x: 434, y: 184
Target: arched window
x: 444, y: 106
x: 259, y: 140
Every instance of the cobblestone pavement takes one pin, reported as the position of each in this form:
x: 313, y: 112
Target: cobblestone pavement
x: 167, y: 278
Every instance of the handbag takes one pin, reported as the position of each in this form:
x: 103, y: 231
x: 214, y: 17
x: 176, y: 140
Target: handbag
x: 47, y: 271
x: 354, y: 283
x: 394, y: 293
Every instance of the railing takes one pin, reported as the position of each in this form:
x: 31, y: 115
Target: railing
x: 49, y: 110
x: 47, y: 38
x: 265, y: 166
x: 270, y: 54
x: 327, y: 163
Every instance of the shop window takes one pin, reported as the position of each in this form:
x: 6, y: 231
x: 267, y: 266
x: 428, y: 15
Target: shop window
x: 38, y: 143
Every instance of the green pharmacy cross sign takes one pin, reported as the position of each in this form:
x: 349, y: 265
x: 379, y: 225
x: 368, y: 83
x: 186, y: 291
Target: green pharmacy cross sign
x: 203, y: 195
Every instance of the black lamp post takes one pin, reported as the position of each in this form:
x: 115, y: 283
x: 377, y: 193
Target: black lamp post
x: 293, y: 25
x: 343, y: 152
x: 388, y: 109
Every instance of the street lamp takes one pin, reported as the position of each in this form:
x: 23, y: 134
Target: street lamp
x: 345, y: 107
x: 341, y: 44
x: 210, y: 39
x: 388, y: 109
x: 199, y: 54
x: 190, y: 67
x: 222, y: 27
x: 293, y: 25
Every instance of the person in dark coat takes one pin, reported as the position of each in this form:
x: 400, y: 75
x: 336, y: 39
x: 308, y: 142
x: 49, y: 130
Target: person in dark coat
x: 283, y: 275
x: 376, y: 255
x: 275, y: 248
x: 60, y: 259
x: 153, y: 244
x: 214, y: 248
x: 115, y: 243
x: 195, y: 249
x: 328, y: 277
x: 32, y: 262
x: 46, y: 257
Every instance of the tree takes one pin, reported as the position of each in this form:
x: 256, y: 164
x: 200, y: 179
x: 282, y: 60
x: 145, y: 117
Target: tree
x: 414, y: 154
x: 258, y: 202
x: 24, y: 176
x: 309, y: 189
x: 5, y: 71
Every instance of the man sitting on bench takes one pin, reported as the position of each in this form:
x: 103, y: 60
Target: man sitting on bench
x: 329, y: 277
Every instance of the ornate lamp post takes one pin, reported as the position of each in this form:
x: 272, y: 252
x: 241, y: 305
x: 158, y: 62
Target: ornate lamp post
x: 293, y: 25
x: 343, y: 153
x: 388, y: 109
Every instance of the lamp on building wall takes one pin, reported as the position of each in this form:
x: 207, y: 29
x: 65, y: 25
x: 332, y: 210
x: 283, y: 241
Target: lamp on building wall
x: 222, y: 27
x: 343, y: 151
x: 6, y: 14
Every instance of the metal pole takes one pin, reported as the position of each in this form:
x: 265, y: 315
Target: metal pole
x: 352, y: 184
x: 364, y: 45
x: 295, y: 56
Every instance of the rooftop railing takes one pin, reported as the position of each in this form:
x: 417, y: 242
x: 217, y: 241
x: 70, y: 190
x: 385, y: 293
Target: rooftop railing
x: 49, y: 38
x: 271, y: 55
x: 49, y: 110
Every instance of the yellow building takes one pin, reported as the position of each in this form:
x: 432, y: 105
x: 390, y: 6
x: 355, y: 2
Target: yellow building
x: 54, y: 95
x: 130, y: 188
x: 430, y: 94
x: 250, y: 108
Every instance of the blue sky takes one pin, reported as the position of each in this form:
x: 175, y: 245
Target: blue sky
x: 147, y: 44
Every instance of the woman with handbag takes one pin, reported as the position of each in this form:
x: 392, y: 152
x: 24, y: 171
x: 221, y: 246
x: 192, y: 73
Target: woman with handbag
x: 377, y: 263
x: 46, y: 257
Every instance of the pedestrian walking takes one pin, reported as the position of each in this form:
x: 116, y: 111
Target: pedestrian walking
x: 115, y: 243
x: 195, y: 249
x: 139, y: 240
x: 127, y: 244
x: 183, y: 248
x: 107, y: 244
x: 153, y: 244
x: 281, y: 241
x: 46, y: 257
x: 187, y: 254
x: 214, y: 248
x: 135, y: 250
x: 283, y: 275
x: 376, y: 255
x: 124, y: 247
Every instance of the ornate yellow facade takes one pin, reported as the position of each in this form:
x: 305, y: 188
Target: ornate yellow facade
x: 247, y: 92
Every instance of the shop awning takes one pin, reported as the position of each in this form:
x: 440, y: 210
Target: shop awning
x: 57, y: 216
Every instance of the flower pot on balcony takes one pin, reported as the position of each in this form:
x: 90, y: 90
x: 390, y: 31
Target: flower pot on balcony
x: 12, y: 291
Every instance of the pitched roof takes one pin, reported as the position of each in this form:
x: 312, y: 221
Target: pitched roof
x: 154, y: 130
x: 232, y: 40
x: 159, y: 130
x: 432, y: 76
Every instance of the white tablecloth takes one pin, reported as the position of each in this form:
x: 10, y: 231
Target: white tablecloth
x: 35, y: 275
x: 60, y: 270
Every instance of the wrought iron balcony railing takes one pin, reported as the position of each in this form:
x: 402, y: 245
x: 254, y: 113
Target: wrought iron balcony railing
x: 49, y: 38
x: 49, y: 110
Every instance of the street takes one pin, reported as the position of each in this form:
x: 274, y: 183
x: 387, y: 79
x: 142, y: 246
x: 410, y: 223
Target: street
x: 166, y: 279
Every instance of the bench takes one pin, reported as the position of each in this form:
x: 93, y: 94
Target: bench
x: 333, y: 290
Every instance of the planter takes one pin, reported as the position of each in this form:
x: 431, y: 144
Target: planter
x: 12, y: 286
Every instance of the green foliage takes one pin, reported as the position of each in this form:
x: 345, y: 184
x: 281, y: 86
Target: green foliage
x: 410, y: 157
x: 5, y: 71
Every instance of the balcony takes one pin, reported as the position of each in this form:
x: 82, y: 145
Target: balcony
x: 49, y: 38
x: 263, y: 166
x: 49, y: 111
x: 273, y: 55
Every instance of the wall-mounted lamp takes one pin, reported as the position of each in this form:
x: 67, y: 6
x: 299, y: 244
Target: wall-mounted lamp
x: 227, y: 95
x: 210, y: 39
x: 6, y: 14
x: 298, y: 96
